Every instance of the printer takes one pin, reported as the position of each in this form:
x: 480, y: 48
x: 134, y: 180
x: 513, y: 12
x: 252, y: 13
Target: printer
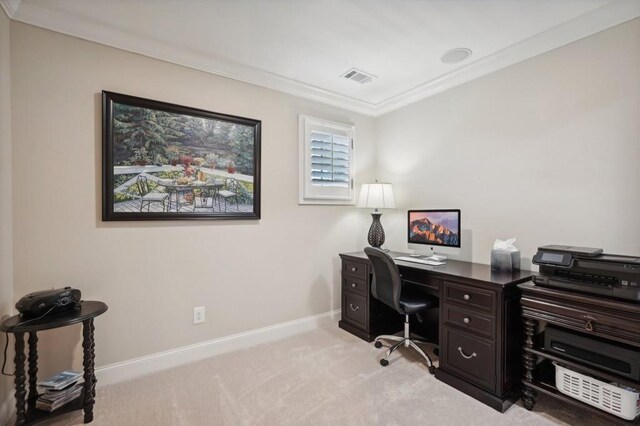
x: 588, y: 270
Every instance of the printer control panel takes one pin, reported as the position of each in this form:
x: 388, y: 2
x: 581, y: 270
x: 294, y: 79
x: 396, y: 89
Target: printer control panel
x: 563, y: 260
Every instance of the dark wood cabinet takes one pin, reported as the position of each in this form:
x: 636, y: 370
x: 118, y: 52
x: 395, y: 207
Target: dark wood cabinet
x: 478, y: 321
x: 479, y: 345
x: 361, y: 315
x: 470, y: 357
x: 606, y: 319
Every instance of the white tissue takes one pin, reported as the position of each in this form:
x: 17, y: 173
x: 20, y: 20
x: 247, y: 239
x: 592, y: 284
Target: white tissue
x: 506, y: 245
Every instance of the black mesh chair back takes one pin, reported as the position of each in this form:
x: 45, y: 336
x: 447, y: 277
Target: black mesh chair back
x: 387, y: 283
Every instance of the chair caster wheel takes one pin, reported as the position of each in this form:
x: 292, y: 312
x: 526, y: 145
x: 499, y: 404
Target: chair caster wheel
x: 432, y: 369
x: 384, y: 362
x: 378, y: 344
x: 436, y: 351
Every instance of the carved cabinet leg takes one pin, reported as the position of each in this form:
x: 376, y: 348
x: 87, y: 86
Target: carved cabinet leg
x: 20, y: 380
x: 88, y: 363
x: 33, y: 365
x: 529, y: 360
x: 528, y: 397
x: 94, y: 381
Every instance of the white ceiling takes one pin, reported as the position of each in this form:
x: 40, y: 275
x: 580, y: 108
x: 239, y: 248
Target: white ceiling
x: 304, y: 46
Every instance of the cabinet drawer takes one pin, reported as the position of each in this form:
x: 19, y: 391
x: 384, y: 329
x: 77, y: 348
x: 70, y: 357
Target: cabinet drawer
x: 471, y: 297
x: 354, y: 269
x: 355, y: 285
x: 590, y: 318
x: 471, y: 357
x: 354, y: 309
x: 469, y: 320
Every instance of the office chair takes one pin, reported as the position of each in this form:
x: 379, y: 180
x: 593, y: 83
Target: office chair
x: 387, y: 287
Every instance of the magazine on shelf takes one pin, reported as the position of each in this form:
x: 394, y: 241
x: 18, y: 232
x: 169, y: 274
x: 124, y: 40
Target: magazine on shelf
x: 60, y: 380
x: 49, y: 405
x: 52, y: 394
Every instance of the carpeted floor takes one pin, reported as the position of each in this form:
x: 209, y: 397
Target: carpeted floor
x: 324, y: 377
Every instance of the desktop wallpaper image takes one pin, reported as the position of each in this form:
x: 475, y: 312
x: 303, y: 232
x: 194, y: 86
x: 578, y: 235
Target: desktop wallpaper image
x: 440, y: 228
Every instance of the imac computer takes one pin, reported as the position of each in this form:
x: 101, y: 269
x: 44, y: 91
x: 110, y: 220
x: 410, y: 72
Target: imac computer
x: 434, y: 230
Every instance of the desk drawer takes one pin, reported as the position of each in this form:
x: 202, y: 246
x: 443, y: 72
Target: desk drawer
x: 354, y: 309
x: 471, y: 297
x: 469, y: 320
x: 354, y: 285
x: 470, y: 357
x: 354, y: 269
x: 420, y: 277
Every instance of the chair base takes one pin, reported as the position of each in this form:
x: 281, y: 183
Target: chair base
x: 407, y: 342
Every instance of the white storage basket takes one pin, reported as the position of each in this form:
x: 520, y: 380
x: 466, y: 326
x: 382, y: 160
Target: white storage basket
x: 612, y: 399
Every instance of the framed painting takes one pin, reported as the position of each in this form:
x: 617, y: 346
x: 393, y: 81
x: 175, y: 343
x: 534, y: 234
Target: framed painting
x: 163, y: 161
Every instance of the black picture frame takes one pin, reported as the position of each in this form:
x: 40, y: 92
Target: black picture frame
x: 162, y: 161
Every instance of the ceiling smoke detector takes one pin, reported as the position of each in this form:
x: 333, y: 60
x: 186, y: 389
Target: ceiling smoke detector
x: 456, y: 55
x: 358, y: 76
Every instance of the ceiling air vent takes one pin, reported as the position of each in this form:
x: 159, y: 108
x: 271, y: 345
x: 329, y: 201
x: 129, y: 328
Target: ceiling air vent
x: 358, y: 76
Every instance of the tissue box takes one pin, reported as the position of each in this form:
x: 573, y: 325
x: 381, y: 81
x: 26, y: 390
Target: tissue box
x: 505, y: 260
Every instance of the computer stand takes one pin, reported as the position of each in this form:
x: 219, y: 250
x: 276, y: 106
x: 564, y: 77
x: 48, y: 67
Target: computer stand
x: 436, y: 257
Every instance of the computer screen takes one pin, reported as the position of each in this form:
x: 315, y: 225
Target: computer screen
x: 434, y: 227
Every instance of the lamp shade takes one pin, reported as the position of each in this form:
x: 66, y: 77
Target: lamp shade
x: 376, y: 196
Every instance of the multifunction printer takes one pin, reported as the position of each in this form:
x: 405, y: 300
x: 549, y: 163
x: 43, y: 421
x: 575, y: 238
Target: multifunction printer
x: 588, y: 270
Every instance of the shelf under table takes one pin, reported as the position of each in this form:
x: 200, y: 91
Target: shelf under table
x: 545, y: 383
x: 583, y: 368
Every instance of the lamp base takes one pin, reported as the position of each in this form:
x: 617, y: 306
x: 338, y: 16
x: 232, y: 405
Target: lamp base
x: 376, y: 233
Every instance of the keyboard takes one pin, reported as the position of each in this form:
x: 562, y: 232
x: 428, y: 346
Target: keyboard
x: 420, y: 260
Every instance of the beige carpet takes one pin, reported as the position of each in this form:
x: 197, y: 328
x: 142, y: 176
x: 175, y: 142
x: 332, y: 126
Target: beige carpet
x: 324, y: 377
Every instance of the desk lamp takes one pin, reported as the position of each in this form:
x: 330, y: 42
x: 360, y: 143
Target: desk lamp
x: 376, y: 196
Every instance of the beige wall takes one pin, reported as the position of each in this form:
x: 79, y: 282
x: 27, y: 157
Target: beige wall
x: 546, y: 151
x: 6, y: 227
x: 248, y: 274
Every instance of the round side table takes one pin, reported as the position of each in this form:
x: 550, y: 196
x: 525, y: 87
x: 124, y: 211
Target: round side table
x: 84, y: 312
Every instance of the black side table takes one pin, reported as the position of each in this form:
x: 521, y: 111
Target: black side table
x: 85, y: 312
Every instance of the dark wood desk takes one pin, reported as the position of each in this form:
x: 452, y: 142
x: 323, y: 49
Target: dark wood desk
x: 479, y: 327
x: 26, y: 412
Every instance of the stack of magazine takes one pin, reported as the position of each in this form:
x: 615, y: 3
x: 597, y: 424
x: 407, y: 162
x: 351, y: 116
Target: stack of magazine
x: 59, y: 389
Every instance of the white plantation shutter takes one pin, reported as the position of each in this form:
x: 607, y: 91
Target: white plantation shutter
x: 326, y: 162
x: 330, y: 157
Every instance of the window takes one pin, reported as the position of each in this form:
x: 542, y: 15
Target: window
x: 326, y: 162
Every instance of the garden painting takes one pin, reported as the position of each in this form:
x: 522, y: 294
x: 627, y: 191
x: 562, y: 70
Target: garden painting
x: 164, y: 161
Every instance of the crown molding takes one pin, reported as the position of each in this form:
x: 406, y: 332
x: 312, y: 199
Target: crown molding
x: 613, y: 13
x: 35, y: 14
x: 610, y: 15
x: 10, y: 7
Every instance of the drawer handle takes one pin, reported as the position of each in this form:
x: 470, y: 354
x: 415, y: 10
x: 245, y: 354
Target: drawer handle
x: 473, y: 355
x: 466, y: 297
x: 466, y: 320
x: 353, y: 269
x: 354, y: 285
x: 588, y: 325
x: 352, y: 308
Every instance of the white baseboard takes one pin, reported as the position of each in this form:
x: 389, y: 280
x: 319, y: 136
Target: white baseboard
x: 137, y: 367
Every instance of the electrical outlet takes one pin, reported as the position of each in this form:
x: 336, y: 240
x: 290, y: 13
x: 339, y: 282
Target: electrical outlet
x: 198, y: 314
